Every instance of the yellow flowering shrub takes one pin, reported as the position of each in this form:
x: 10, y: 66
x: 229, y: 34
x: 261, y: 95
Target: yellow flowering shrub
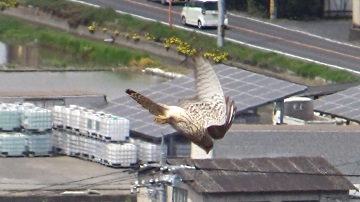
x: 217, y: 56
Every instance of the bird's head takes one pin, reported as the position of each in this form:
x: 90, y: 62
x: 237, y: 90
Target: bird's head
x: 208, y: 148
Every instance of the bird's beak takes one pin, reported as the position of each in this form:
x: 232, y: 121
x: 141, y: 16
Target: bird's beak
x: 208, y: 150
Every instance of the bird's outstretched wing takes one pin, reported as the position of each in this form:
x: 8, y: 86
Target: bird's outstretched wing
x: 153, y: 107
x: 218, y: 131
x: 209, y: 102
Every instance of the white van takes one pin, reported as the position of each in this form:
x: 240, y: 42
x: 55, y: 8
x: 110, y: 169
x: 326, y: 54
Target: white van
x: 201, y: 13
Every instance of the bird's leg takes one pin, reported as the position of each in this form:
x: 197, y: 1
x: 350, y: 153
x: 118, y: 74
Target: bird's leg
x: 160, y: 119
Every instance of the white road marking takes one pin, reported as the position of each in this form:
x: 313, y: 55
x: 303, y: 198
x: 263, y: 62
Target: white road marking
x: 296, y: 30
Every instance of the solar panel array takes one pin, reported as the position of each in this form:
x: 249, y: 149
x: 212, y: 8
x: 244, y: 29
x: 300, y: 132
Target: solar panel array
x: 247, y: 89
x: 344, y: 104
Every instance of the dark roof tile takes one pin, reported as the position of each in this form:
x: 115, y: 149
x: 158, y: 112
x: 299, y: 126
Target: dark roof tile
x: 262, y: 175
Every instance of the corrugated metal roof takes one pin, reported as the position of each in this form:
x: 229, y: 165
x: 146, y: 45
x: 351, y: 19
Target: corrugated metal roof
x: 282, y: 174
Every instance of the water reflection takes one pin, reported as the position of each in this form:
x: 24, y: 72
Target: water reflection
x: 112, y: 84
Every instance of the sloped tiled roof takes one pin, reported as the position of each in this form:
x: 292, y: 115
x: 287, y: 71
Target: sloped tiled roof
x: 252, y: 175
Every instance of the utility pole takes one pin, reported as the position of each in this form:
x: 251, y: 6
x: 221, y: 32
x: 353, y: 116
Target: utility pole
x: 221, y: 26
x: 156, y: 188
x: 273, y: 9
x: 170, y: 13
x: 162, y: 187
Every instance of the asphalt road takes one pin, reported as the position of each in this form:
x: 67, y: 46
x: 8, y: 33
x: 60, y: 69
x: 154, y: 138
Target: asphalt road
x: 256, y: 33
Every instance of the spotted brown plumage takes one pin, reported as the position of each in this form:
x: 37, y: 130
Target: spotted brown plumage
x: 202, y: 118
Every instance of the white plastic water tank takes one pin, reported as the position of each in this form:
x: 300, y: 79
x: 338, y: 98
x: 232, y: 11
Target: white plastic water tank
x: 121, y: 154
x: 40, y: 145
x: 13, y: 144
x: 114, y: 128
x: 151, y: 152
x: 10, y: 118
x: 58, y: 115
x: 38, y: 119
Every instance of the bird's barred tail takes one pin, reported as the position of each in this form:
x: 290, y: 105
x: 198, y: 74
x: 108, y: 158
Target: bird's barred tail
x: 142, y: 100
x: 153, y: 107
x: 132, y: 93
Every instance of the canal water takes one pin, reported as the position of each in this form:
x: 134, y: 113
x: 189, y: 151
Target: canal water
x: 112, y: 84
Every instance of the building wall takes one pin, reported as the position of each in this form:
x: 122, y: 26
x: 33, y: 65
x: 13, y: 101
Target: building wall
x: 142, y: 196
x: 301, y: 108
x: 338, y: 8
x: 192, y: 195
x: 49, y: 101
x: 356, y: 14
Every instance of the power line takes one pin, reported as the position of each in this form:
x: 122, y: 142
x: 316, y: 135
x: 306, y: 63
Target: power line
x: 67, y: 183
x: 108, y: 181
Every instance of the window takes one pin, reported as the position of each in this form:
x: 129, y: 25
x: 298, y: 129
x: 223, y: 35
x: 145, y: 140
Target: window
x: 211, y: 6
x: 97, y: 125
x: 89, y: 124
x: 179, y: 195
x: 191, y: 4
x: 298, y: 106
x: 303, y: 201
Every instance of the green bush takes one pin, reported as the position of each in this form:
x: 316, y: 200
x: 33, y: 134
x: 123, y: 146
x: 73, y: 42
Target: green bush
x: 74, y: 13
x: 99, y: 15
x: 258, y: 7
x: 60, y: 8
x: 239, y: 5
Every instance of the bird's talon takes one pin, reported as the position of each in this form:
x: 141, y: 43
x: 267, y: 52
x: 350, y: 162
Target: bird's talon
x: 160, y: 119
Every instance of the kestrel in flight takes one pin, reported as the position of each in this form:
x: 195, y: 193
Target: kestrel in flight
x: 202, y: 118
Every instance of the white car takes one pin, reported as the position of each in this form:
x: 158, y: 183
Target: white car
x: 201, y: 13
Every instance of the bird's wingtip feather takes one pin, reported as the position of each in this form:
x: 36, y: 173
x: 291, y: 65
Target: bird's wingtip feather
x: 129, y: 91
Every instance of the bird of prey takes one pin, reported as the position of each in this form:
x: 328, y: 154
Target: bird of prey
x: 202, y: 118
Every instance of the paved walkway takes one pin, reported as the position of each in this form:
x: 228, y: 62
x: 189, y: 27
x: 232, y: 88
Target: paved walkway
x: 338, y: 30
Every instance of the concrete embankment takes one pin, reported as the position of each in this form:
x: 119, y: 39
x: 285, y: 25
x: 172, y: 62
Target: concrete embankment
x: 3, y: 54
